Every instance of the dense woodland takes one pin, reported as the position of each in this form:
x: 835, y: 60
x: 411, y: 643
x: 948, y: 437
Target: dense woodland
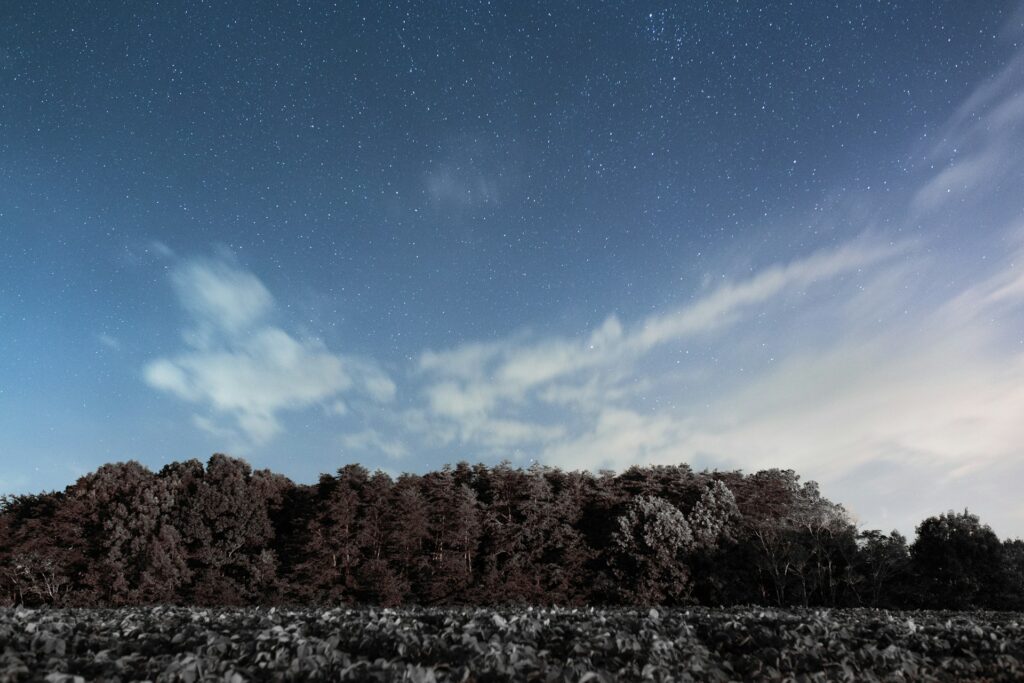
x: 222, y: 534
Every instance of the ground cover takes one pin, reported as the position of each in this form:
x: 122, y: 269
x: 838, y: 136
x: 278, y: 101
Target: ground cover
x: 424, y: 644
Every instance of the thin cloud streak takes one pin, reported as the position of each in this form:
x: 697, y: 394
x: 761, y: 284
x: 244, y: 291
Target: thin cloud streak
x: 472, y: 386
x: 520, y: 367
x: 981, y: 144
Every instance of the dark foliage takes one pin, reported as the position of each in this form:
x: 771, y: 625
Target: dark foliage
x: 221, y: 534
x: 508, y: 644
x: 957, y: 562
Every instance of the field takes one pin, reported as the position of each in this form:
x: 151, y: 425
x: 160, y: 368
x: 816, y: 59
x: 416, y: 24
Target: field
x: 179, y: 644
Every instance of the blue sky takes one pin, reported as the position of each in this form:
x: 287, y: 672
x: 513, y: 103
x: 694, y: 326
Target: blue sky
x: 737, y: 237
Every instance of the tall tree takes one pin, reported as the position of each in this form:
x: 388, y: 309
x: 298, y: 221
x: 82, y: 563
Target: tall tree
x: 331, y: 554
x: 378, y: 582
x: 882, y: 561
x: 530, y: 551
x: 956, y: 561
x: 290, y: 520
x: 714, y: 516
x: 1011, y: 593
x: 800, y: 542
x: 564, y: 553
x: 42, y: 556
x: 136, y: 552
x: 408, y: 532
x: 454, y: 530
x: 647, y: 555
x: 224, y: 514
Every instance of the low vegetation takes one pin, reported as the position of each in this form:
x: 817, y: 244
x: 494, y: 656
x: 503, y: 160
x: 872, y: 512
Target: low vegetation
x: 433, y: 644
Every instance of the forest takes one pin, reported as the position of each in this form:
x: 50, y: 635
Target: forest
x: 222, y: 534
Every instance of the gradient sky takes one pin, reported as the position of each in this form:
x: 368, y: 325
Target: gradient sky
x: 589, y: 234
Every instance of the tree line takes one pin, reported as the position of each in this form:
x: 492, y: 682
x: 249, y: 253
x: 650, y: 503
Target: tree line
x: 223, y: 534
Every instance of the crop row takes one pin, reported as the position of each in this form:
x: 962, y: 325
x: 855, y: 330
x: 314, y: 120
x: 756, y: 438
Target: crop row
x: 181, y: 644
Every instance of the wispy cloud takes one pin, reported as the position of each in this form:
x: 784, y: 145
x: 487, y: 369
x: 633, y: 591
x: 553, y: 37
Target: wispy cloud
x: 981, y: 144
x: 470, y: 174
x: 484, y: 390
x: 161, y: 250
x: 451, y: 185
x: 373, y: 442
x: 958, y: 178
x: 243, y: 368
x: 220, y: 296
x: 109, y: 341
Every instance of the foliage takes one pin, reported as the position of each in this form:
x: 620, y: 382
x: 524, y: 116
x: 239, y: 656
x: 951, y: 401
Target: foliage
x: 222, y: 534
x: 431, y: 644
x: 883, y: 560
x: 956, y: 560
x: 651, y: 540
x: 1011, y: 577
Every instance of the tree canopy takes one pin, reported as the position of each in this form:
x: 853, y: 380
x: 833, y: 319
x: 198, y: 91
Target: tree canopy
x: 220, y: 533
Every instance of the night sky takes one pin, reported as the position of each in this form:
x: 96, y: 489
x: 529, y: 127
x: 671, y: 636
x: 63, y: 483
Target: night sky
x: 585, y: 234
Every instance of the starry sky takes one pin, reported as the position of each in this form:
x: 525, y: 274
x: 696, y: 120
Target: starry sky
x: 585, y: 234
